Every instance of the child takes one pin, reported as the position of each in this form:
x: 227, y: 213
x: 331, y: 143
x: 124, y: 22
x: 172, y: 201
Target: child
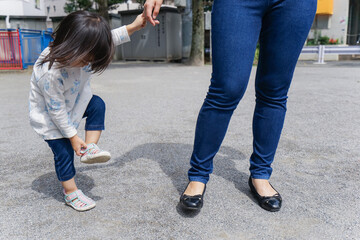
x: 60, y: 94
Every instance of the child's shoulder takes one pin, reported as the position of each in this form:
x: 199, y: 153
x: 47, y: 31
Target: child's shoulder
x: 41, y: 69
x: 43, y: 54
x: 42, y: 73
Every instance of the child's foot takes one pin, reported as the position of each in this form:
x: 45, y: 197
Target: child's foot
x: 93, y: 154
x: 79, y: 201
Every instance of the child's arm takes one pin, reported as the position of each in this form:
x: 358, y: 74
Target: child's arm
x: 121, y: 35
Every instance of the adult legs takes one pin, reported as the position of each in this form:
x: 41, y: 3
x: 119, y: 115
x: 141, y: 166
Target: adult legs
x: 235, y: 30
x: 284, y: 29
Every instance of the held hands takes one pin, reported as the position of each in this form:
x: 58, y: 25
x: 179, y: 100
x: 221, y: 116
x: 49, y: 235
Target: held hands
x: 77, y: 144
x: 136, y: 25
x: 151, y: 10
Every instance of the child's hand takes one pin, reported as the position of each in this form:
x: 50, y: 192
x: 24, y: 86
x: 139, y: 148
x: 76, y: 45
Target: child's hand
x: 140, y: 21
x: 77, y: 144
x: 137, y: 24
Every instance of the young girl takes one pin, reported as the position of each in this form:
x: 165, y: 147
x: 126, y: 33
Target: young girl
x: 60, y: 94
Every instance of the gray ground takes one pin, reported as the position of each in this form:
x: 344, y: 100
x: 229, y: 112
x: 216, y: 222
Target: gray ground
x: 151, y: 114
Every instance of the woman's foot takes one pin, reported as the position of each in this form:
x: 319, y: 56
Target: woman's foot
x: 268, y: 198
x: 263, y: 187
x: 192, y: 198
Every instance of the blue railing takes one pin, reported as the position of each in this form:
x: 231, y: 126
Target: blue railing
x: 32, y: 42
x: 321, y: 50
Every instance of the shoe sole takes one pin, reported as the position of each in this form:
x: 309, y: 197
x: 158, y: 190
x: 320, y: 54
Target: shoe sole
x: 82, y: 209
x: 96, y: 158
x: 270, y: 210
x: 190, y: 208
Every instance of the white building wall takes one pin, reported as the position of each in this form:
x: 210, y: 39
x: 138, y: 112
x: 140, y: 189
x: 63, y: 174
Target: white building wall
x: 55, y: 8
x: 11, y: 7
x: 21, y: 8
x: 30, y: 8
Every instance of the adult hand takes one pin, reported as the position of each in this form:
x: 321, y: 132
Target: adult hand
x: 77, y: 144
x: 151, y: 10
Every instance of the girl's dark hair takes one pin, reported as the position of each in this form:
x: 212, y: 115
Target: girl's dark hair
x: 82, y: 36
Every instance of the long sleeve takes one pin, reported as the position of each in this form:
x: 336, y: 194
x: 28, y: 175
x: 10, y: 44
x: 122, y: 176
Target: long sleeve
x: 120, y: 35
x: 52, y: 88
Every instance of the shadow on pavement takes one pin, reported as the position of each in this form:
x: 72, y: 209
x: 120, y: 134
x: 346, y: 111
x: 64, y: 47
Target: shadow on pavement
x: 49, y: 185
x: 173, y: 158
x: 186, y: 213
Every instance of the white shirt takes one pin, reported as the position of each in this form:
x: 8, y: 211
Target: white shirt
x: 59, y: 96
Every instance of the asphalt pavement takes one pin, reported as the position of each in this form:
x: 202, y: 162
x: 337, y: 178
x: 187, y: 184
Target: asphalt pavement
x: 150, y: 121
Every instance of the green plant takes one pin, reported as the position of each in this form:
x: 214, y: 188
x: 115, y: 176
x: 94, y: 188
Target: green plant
x: 311, y: 42
x: 74, y: 5
x: 256, y: 58
x: 88, y: 5
x: 208, y: 5
x: 323, y: 40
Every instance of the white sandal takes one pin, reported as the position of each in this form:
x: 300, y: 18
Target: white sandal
x: 93, y: 154
x: 79, y: 201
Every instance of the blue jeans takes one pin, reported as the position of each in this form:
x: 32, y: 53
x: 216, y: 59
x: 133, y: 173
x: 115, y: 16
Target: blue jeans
x: 62, y: 149
x: 281, y: 27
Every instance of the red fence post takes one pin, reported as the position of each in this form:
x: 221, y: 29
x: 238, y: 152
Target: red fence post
x: 19, y: 47
x: 10, y: 50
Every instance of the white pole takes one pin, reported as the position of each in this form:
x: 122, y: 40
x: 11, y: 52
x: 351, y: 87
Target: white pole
x: 321, y: 55
x: 7, y: 20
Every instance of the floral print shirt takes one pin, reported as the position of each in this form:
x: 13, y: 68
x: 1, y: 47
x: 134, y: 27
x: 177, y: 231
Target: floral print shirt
x: 59, y: 96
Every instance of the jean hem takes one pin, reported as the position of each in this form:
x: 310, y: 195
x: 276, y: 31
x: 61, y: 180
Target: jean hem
x: 198, y: 179
x: 254, y: 176
x: 94, y: 127
x: 66, y: 178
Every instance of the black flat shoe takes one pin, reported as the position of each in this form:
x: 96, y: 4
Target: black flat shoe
x: 192, y: 202
x: 272, y: 203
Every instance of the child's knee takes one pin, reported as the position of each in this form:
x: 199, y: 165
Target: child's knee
x: 99, y: 104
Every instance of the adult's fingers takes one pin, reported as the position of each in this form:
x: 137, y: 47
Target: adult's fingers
x: 156, y: 10
x: 148, y: 8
